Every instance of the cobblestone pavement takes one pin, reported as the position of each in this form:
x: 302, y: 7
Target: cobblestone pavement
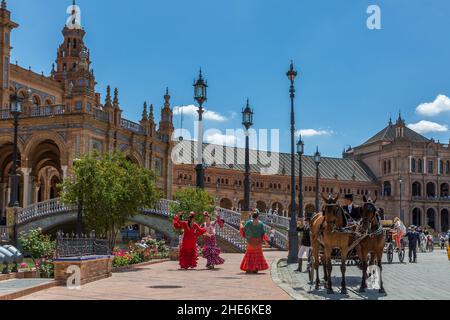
x: 429, y: 279
x: 165, y: 282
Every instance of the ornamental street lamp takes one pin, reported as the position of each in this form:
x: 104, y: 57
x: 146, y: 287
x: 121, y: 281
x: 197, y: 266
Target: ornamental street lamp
x: 317, y: 160
x: 200, y: 95
x: 79, y: 207
x: 401, y: 192
x: 300, y: 152
x: 293, y: 234
x: 247, y: 122
x: 16, y: 111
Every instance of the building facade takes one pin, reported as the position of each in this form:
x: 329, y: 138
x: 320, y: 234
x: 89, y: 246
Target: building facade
x: 64, y: 117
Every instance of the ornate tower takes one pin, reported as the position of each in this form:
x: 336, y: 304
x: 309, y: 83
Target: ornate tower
x: 6, y: 26
x: 166, y: 123
x: 73, y: 63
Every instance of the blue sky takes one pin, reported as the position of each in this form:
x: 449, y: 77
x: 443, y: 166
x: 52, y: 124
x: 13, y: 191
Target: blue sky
x: 351, y: 78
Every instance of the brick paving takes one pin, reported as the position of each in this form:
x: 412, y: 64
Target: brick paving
x: 165, y: 281
x: 429, y: 279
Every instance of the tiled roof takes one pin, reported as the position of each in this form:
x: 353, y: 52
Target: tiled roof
x: 330, y: 168
x: 388, y: 134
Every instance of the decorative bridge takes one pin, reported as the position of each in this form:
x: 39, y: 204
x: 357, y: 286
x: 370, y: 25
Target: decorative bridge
x: 50, y: 214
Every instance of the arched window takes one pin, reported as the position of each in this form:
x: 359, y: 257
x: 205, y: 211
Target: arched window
x: 387, y: 190
x: 431, y: 190
x: 447, y: 167
x: 389, y: 166
x: 431, y: 218
x: 416, y: 189
x: 36, y: 101
x: 441, y: 167
x: 416, y: 217
x: 420, y: 166
x: 413, y: 165
x: 444, y: 220
x: 384, y: 167
x: 445, y: 190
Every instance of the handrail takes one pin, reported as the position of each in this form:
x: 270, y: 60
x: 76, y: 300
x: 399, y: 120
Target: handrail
x: 132, y: 126
x: 44, y: 111
x: 230, y: 231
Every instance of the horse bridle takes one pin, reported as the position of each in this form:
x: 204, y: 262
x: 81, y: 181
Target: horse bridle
x: 370, y: 221
x: 337, y: 209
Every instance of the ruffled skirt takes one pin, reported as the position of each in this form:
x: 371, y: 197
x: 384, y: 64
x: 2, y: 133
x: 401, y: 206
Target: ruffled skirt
x: 211, y: 252
x: 254, y: 259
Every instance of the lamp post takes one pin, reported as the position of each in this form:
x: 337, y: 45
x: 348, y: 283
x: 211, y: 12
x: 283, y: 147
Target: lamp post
x: 401, y: 192
x: 79, y: 206
x: 200, y: 95
x: 293, y: 234
x: 247, y: 122
x: 317, y: 160
x: 16, y: 111
x: 300, y: 152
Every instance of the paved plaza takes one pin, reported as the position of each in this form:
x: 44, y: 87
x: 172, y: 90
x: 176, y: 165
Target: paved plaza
x: 429, y: 279
x: 165, y: 282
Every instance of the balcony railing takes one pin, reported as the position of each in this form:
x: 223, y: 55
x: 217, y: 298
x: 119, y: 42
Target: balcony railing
x: 45, y: 111
x: 132, y: 126
x: 5, y: 114
x: 102, y: 115
x: 419, y: 198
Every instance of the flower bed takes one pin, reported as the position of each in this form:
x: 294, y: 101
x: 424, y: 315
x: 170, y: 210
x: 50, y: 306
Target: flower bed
x: 146, y: 250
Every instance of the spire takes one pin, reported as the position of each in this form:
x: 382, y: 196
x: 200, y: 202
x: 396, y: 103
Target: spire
x: 144, y: 112
x: 116, y: 98
x: 4, y: 4
x: 167, y: 99
x: 151, y: 115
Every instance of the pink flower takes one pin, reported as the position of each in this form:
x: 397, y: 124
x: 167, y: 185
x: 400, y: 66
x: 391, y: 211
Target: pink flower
x: 23, y: 265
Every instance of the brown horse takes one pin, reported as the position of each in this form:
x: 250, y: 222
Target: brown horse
x: 372, y: 244
x: 325, y: 231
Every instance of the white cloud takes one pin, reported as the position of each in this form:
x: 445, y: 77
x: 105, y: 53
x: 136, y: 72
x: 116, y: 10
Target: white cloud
x: 427, y: 127
x: 221, y: 139
x: 191, y: 110
x: 439, y: 105
x: 314, y: 133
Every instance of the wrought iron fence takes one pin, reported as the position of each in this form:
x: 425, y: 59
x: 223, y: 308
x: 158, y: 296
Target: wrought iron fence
x: 71, y: 246
x: 5, y: 114
x: 4, y: 236
x: 132, y: 126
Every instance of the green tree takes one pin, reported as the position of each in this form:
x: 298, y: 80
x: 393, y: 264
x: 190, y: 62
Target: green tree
x: 192, y: 200
x: 111, y: 189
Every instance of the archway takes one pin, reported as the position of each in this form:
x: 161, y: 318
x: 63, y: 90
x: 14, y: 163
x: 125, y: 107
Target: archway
x: 445, y: 220
x: 6, y: 163
x: 444, y: 190
x: 416, y: 189
x: 226, y: 203
x: 278, y: 207
x: 431, y: 190
x: 261, y: 206
x: 431, y: 218
x: 416, y: 217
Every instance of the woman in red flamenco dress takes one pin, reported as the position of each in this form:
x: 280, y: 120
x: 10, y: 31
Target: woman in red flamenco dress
x: 254, y: 232
x: 188, y: 247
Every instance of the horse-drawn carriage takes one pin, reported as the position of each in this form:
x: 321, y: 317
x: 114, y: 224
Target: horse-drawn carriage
x: 390, y: 246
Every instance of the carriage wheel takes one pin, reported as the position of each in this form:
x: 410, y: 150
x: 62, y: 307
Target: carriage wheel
x: 390, y: 253
x: 401, y: 255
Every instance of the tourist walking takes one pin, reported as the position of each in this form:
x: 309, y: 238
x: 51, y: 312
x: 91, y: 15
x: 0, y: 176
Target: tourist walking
x: 305, y: 244
x: 188, y: 246
x: 254, y: 232
x: 272, y: 237
x: 400, y: 231
x: 413, y: 242
x: 211, y: 252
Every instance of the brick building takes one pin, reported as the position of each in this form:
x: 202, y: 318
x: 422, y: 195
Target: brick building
x: 64, y: 117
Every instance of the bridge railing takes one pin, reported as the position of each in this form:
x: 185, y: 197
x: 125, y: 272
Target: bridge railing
x: 162, y: 207
x: 274, y: 220
x: 232, y: 235
x: 42, y: 209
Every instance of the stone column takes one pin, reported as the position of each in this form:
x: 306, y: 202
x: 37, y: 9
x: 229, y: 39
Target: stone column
x: 3, y: 202
x: 36, y: 192
x: 26, y: 186
x: 8, y: 195
x: 64, y: 170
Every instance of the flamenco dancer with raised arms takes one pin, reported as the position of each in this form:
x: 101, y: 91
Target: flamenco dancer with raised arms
x: 211, y: 252
x: 188, y: 246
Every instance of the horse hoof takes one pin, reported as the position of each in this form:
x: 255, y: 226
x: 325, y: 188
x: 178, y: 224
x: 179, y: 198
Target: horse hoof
x: 362, y: 290
x: 382, y: 291
x: 330, y: 291
x: 344, y: 291
x: 317, y: 287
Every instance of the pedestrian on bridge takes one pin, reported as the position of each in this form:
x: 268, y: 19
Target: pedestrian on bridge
x: 188, y: 247
x: 254, y: 232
